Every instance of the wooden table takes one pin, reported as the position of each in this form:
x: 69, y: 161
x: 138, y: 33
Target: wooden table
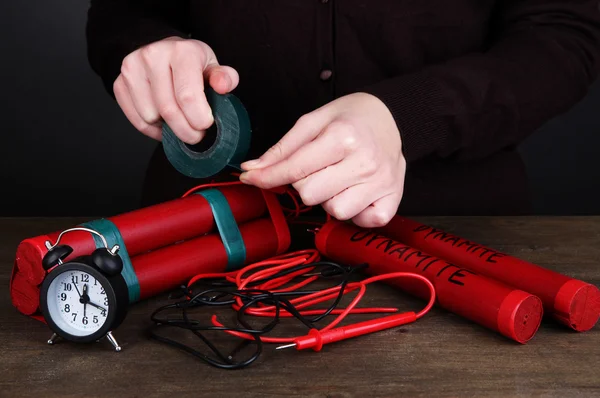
x: 441, y: 355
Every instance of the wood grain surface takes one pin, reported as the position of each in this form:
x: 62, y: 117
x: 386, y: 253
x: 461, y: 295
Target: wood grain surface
x: 441, y: 355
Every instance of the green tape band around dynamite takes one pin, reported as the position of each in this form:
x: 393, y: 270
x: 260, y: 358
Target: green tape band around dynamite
x: 230, y: 147
x: 228, y: 228
x: 113, y: 237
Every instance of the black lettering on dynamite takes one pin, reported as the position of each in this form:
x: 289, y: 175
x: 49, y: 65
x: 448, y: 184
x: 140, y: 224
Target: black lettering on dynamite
x: 460, y: 273
x: 389, y: 244
x: 430, y: 263
x: 490, y: 259
x: 400, y: 250
x: 468, y: 244
x: 360, y: 235
x: 453, y: 239
x: 448, y: 265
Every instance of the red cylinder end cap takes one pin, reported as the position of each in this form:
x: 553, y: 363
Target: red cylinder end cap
x: 29, y: 259
x: 520, y: 316
x: 24, y: 296
x: 577, y: 305
x: 323, y: 235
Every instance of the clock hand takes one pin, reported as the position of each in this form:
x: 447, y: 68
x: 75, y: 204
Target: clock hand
x: 97, y: 306
x: 86, y: 298
x: 76, y: 288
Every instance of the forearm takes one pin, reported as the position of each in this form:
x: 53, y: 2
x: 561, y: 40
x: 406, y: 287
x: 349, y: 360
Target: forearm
x: 541, y: 60
x: 116, y: 28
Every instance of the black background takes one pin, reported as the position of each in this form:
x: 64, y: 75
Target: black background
x: 67, y: 149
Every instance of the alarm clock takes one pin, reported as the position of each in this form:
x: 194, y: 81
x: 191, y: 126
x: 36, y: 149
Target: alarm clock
x: 83, y: 300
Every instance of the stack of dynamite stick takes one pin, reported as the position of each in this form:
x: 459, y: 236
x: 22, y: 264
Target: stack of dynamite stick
x: 167, y: 243
x: 495, y: 290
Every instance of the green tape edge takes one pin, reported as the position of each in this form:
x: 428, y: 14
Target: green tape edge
x: 231, y: 144
x: 113, y: 237
x: 228, y: 228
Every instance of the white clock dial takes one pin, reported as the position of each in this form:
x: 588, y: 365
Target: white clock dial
x: 77, y: 303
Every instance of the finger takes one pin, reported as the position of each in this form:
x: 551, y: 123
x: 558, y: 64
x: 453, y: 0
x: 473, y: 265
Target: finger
x: 313, y: 157
x: 222, y: 79
x: 352, y: 201
x: 161, y: 81
x: 329, y: 182
x: 188, y: 85
x: 134, y: 76
x: 304, y: 131
x: 380, y: 213
x: 125, y: 101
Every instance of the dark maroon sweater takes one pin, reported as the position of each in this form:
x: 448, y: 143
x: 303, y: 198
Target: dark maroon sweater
x: 466, y: 80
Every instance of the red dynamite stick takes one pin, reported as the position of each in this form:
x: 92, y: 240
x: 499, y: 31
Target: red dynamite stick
x: 166, y: 268
x: 572, y: 302
x: 149, y: 228
x: 511, y: 312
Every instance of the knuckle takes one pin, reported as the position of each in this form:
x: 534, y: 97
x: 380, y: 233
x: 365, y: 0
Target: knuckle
x: 277, y: 150
x: 337, y: 211
x: 298, y: 173
x: 148, y: 53
x: 346, y: 134
x: 127, y: 65
x: 186, y: 95
x: 304, y: 121
x: 168, y: 111
x: 307, y: 197
x: 144, y: 128
x: 118, y: 87
x: 380, y: 218
x: 368, y: 164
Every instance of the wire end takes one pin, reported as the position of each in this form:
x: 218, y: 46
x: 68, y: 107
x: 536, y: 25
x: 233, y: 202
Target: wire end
x: 281, y: 347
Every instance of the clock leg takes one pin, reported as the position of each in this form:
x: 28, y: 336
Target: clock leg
x: 53, y: 339
x: 113, y: 341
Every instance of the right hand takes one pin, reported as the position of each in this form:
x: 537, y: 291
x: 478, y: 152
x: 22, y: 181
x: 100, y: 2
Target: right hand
x: 165, y: 81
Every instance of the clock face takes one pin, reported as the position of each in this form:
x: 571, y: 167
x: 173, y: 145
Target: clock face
x: 77, y: 303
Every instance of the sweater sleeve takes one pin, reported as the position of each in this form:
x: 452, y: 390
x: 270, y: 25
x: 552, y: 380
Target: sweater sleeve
x: 115, y: 28
x: 541, y: 59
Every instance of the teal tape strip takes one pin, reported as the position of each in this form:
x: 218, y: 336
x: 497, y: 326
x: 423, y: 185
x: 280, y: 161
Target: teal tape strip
x: 233, y: 132
x: 113, y: 237
x: 228, y: 228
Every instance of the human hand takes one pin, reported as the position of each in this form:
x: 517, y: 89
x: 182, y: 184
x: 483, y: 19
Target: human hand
x: 346, y: 156
x: 165, y: 81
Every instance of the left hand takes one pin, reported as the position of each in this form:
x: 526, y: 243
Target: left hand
x: 346, y: 156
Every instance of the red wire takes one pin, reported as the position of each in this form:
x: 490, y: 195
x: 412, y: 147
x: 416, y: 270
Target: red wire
x: 265, y: 269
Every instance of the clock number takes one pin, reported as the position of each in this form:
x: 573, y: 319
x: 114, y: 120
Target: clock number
x: 74, y: 317
x: 85, y: 278
x: 84, y: 320
x: 63, y: 296
x: 103, y: 313
x: 102, y: 290
x: 95, y: 318
x: 67, y: 287
x: 74, y: 279
x: 105, y: 300
x: 95, y: 282
x: 67, y: 308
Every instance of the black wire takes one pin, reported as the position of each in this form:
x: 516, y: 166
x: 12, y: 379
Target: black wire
x: 220, y: 295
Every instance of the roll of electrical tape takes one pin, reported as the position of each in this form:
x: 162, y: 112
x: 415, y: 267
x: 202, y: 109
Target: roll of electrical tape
x: 233, y: 133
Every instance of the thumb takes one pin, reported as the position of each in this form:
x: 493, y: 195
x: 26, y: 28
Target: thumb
x: 306, y: 129
x: 222, y: 79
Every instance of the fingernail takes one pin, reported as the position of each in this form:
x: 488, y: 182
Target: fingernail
x: 250, y: 164
x: 244, y: 177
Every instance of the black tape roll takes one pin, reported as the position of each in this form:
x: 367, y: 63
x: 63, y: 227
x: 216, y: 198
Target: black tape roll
x: 233, y: 134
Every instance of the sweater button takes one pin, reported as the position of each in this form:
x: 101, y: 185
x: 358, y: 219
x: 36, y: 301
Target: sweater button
x: 326, y: 74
